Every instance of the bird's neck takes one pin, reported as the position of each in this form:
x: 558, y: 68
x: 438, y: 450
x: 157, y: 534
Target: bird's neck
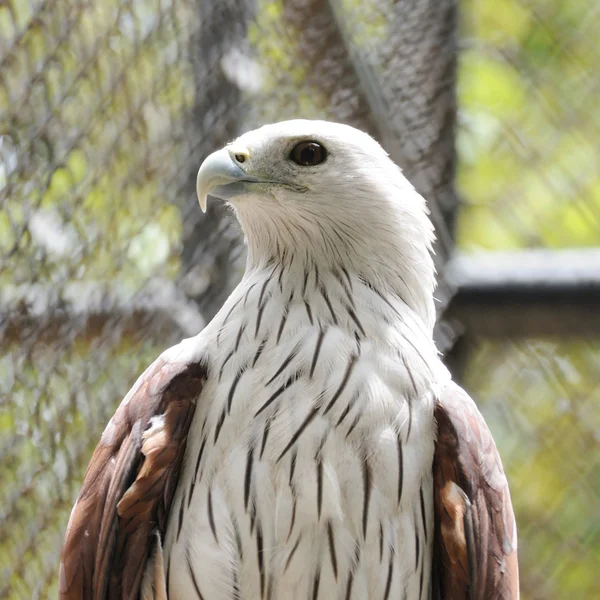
x: 300, y: 295
x: 311, y: 269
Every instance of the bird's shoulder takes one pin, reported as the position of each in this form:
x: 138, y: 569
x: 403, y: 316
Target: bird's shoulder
x: 130, y: 481
x: 476, y: 540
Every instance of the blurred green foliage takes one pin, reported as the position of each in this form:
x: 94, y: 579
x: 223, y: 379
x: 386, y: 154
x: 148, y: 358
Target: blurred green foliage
x: 91, y: 93
x: 60, y: 401
x: 541, y: 399
x: 529, y: 175
x: 92, y: 100
x: 529, y: 121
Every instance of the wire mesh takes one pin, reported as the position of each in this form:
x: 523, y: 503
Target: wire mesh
x: 529, y: 124
x: 107, y: 110
x: 546, y: 424
x: 92, y: 142
x: 529, y: 177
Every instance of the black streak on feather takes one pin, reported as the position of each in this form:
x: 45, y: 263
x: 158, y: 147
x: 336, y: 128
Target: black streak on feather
x: 293, y: 465
x: 238, y: 539
x: 281, y: 271
x: 367, y: 485
x: 262, y: 303
x: 232, y: 309
x: 286, y: 312
x: 400, y: 468
x: 248, y: 477
x: 319, y: 486
x: 259, y: 351
x: 357, y: 554
x: 236, y: 581
x: 263, y: 290
x: 417, y: 545
x: 180, y: 522
x: 317, y: 351
x: 227, y: 359
x: 345, y: 271
x: 332, y: 552
x: 311, y: 415
x: 168, y: 578
x: 219, y: 425
x: 238, y: 339
x: 261, y: 566
x: 293, y: 519
x: 345, y: 287
x: 423, y: 516
x: 388, y: 583
x: 200, y: 452
x: 343, y: 383
x: 348, y: 408
x: 261, y: 309
x: 380, y: 542
x: 248, y: 292
x: 376, y: 291
x: 191, y: 492
x: 308, y: 311
x: 265, y: 437
x: 328, y: 302
x: 322, y: 443
x: 252, y: 517
x: 226, y: 319
x: 356, y: 321
x: 195, y: 478
x: 354, y: 424
x: 276, y: 395
x: 350, y: 583
x: 284, y: 364
x: 316, y: 583
x: 410, y: 375
x: 232, y: 389
x: 211, y: 516
x: 291, y: 555
x: 343, y: 415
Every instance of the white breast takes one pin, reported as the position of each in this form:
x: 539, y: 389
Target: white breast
x: 308, y: 467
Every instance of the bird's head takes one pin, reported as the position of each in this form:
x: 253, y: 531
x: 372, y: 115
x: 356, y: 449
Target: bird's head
x: 328, y: 194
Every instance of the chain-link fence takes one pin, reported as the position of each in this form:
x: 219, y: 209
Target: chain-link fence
x: 107, y: 109
x: 529, y: 177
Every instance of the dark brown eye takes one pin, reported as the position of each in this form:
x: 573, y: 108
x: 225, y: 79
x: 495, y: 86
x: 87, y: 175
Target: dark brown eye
x: 308, y: 154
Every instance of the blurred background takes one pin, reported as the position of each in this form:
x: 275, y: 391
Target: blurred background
x: 107, y: 109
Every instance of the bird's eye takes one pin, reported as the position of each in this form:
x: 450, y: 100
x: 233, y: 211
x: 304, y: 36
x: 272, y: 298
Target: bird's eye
x: 308, y: 154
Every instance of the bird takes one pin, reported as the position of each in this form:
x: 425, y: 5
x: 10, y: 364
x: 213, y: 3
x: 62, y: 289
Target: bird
x: 309, y: 442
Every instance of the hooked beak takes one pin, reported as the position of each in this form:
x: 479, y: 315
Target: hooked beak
x: 221, y: 176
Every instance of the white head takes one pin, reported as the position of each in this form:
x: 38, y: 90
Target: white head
x: 326, y: 194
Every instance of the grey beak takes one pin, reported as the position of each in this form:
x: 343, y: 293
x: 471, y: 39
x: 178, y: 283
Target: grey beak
x: 218, y: 175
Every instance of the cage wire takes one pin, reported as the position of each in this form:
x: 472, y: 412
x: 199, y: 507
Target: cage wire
x: 105, y: 259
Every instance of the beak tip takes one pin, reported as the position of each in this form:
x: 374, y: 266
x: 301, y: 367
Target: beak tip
x: 201, y: 191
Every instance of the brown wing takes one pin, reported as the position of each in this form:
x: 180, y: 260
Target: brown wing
x: 475, y: 546
x: 129, y: 485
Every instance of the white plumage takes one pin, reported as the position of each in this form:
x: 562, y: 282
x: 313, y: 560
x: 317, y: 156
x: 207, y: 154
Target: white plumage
x: 289, y: 451
x: 321, y: 434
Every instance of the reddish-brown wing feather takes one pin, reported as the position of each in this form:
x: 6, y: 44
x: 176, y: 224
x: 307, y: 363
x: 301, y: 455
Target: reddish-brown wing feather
x: 129, y: 485
x: 475, y: 546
